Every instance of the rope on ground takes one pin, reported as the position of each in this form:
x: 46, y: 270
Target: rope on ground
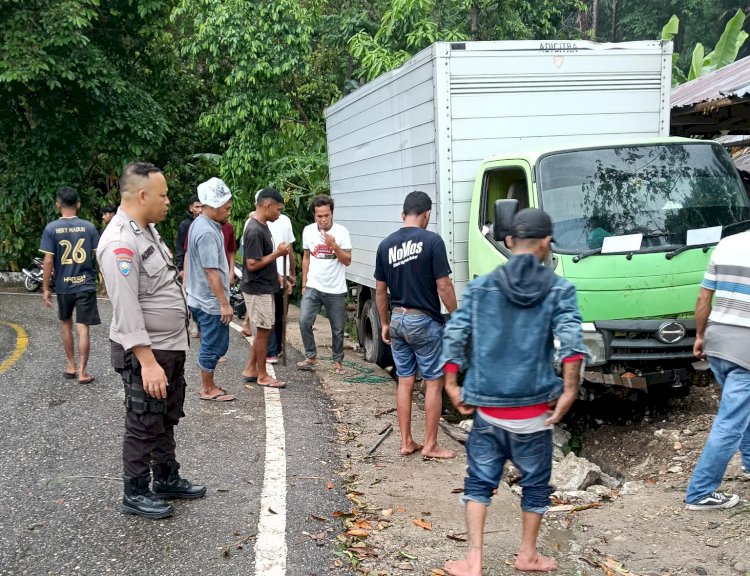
x: 365, y: 374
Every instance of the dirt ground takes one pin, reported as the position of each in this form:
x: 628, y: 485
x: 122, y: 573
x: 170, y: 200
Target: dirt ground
x: 405, y: 517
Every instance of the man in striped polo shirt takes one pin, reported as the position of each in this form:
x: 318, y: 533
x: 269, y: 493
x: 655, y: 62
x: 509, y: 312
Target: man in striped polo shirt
x: 723, y: 337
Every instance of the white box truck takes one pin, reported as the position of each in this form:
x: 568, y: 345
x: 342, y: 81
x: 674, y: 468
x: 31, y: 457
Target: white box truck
x: 577, y: 128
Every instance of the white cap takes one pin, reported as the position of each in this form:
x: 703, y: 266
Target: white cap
x: 214, y: 193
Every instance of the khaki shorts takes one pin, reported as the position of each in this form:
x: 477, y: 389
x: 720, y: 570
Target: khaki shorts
x: 260, y: 310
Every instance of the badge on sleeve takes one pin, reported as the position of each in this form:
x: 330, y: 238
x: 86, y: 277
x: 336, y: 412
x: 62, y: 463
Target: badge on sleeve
x: 124, y: 260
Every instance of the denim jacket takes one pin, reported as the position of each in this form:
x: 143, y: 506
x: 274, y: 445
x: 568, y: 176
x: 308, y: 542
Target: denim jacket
x: 510, y: 347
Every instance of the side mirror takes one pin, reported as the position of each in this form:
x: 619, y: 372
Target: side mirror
x: 504, y: 212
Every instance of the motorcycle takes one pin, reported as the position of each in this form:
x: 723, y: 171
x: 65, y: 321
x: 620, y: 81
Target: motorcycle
x: 33, y: 276
x: 236, y: 299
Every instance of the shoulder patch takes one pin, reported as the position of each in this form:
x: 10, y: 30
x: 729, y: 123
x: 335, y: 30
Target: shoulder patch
x: 124, y: 260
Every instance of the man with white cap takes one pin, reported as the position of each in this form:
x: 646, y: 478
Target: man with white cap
x: 207, y: 283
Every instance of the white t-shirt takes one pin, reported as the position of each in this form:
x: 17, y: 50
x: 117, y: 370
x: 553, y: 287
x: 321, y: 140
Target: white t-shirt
x: 281, y: 231
x: 326, y: 273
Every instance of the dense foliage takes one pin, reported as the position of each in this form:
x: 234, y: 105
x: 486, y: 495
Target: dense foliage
x: 235, y: 88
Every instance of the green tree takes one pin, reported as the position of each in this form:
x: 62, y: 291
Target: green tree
x: 407, y: 26
x: 85, y: 86
x: 270, y: 78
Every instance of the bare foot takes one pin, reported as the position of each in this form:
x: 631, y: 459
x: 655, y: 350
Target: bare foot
x: 461, y: 568
x: 438, y: 452
x: 536, y: 563
x: 410, y: 448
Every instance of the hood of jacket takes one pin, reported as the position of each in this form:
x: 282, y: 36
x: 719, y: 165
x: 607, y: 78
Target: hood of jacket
x: 524, y: 281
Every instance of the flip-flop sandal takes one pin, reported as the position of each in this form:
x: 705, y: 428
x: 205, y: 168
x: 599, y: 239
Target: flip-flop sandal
x: 246, y: 334
x: 70, y: 375
x: 274, y: 384
x: 250, y: 379
x: 340, y: 371
x: 307, y: 365
x: 219, y: 397
x: 87, y: 381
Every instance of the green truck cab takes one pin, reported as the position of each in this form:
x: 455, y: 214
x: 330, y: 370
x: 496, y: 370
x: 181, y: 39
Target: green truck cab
x: 634, y: 225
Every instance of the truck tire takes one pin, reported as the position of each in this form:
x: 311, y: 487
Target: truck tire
x: 376, y: 351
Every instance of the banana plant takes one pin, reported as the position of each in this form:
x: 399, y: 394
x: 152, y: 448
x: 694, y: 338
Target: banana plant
x: 725, y: 52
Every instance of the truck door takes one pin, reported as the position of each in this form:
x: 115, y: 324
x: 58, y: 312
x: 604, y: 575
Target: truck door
x: 496, y: 180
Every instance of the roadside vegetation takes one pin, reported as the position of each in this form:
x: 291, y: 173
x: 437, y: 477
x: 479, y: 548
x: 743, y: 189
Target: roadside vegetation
x: 238, y: 88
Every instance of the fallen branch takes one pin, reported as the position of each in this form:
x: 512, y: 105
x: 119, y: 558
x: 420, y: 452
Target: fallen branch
x: 383, y: 436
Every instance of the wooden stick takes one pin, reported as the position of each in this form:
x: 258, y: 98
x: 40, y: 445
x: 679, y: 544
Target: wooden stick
x: 383, y: 436
x: 285, y: 297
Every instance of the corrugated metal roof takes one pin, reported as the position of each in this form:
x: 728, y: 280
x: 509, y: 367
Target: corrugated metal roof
x: 731, y: 81
x: 742, y: 160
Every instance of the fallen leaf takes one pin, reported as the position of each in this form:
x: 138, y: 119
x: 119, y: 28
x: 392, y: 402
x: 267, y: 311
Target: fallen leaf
x: 338, y: 563
x: 358, y: 532
x: 457, y: 491
x: 340, y: 514
x: 329, y: 485
x: 386, y: 512
x: 437, y: 572
x: 356, y: 493
x: 400, y: 509
x: 422, y: 524
x: 272, y: 511
x: 364, y: 524
x: 318, y: 518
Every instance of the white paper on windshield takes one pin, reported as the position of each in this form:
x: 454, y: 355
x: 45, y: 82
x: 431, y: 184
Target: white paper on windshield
x: 619, y: 244
x: 703, y: 236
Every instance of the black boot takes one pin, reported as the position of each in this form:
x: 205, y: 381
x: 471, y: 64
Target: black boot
x: 138, y: 499
x: 168, y: 484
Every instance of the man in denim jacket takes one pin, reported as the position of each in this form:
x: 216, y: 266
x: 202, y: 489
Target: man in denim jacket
x: 519, y: 310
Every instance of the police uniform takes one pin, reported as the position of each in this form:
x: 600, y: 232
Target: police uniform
x: 148, y: 309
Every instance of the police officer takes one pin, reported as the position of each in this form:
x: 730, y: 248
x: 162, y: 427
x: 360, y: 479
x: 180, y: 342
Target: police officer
x: 149, y: 339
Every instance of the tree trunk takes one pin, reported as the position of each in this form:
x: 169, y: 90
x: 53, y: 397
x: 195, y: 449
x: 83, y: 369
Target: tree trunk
x: 614, y: 20
x: 474, y: 21
x: 594, y: 17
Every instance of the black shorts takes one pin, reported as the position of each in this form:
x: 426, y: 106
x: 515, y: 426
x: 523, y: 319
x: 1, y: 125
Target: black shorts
x: 84, y: 303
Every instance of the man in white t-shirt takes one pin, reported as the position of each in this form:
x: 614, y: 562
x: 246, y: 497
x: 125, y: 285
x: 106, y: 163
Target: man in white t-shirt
x: 281, y: 231
x: 327, y: 251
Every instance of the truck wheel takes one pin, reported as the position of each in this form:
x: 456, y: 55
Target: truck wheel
x: 370, y: 329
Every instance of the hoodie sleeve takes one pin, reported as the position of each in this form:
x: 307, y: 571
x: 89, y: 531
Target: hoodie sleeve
x: 457, y: 332
x: 566, y: 324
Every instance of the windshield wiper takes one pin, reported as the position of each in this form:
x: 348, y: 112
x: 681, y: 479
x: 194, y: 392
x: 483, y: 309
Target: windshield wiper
x: 686, y: 247
x: 586, y: 254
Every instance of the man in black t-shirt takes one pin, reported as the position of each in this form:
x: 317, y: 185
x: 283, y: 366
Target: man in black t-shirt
x: 68, y: 244
x: 260, y: 282
x: 413, y: 265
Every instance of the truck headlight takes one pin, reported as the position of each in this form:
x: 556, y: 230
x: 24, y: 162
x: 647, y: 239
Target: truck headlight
x: 594, y: 341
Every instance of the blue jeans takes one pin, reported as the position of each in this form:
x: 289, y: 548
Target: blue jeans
x: 487, y: 450
x: 416, y: 341
x: 214, y: 339
x: 335, y: 305
x: 730, y: 431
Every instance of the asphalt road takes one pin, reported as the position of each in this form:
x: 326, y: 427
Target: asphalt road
x: 60, y: 465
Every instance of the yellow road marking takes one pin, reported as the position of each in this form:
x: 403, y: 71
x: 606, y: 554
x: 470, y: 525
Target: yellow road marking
x: 22, y: 342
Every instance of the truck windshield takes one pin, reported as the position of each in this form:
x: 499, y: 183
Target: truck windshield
x: 660, y: 191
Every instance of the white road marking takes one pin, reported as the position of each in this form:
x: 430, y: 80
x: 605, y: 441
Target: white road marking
x: 270, y: 543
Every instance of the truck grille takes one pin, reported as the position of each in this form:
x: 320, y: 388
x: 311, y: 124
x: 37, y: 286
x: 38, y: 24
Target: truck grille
x: 638, y: 340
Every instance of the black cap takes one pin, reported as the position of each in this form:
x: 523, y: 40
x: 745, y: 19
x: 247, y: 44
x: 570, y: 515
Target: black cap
x: 531, y: 223
x: 109, y: 209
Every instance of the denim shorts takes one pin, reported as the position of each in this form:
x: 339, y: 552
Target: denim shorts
x: 416, y: 342
x: 214, y: 339
x: 487, y: 450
